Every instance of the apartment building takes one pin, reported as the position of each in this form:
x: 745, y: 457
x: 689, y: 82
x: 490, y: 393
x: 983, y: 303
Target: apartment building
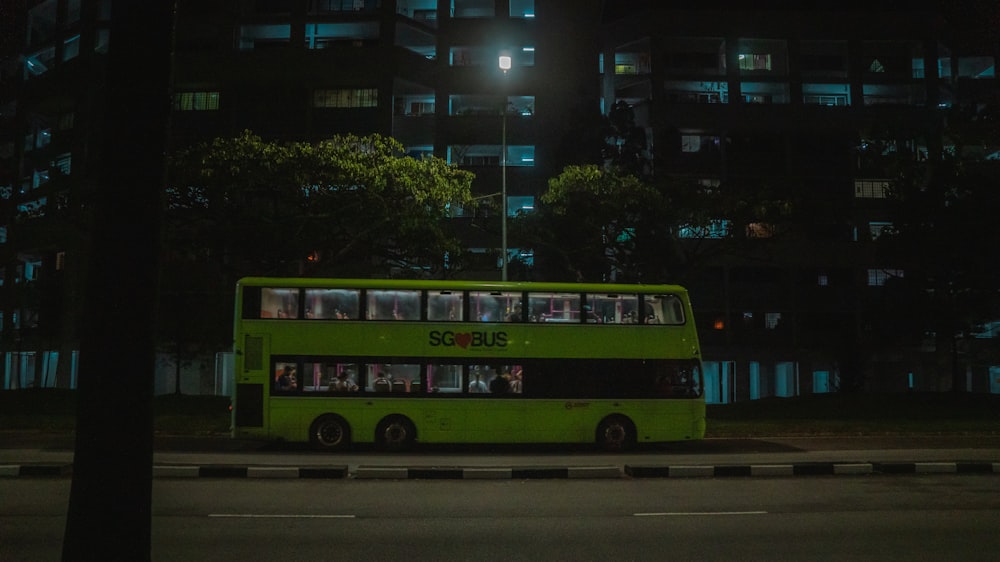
x: 727, y: 97
x: 796, y: 101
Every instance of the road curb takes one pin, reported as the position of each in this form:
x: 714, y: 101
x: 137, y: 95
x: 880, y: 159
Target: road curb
x: 777, y: 470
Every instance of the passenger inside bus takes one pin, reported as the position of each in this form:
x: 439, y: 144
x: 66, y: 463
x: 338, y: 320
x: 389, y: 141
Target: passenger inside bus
x: 515, y: 380
x: 477, y: 385
x: 286, y: 380
x: 381, y: 383
x: 499, y: 383
x: 344, y: 382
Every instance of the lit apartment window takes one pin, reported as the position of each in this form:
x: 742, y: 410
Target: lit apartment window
x: 473, y: 8
x: 264, y: 35
x: 346, y: 98
x: 33, y: 209
x: 414, y: 105
x: 420, y: 10
x: 718, y: 228
x: 681, y: 91
x: 487, y: 57
x: 522, y: 8
x: 32, y: 267
x: 327, y: 6
x: 772, y: 320
x: 71, y: 48
x: 752, y: 61
x: 478, y: 105
x: 64, y: 163
x: 760, y: 230
x: 520, y: 205
x: 826, y: 94
x: 871, y: 189
x: 489, y: 155
x: 698, y: 143
x: 39, y: 178
x: 878, y: 277
x: 326, y: 35
x: 38, y: 138
x: 102, y: 40
x: 876, y: 229
x: 976, y: 67
x: 39, y: 62
x: 196, y: 101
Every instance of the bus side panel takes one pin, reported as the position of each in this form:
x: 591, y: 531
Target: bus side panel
x: 576, y: 420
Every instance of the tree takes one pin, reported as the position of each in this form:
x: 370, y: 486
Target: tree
x: 598, y: 225
x: 347, y: 206
x: 626, y: 146
x: 109, y: 513
x: 943, y: 231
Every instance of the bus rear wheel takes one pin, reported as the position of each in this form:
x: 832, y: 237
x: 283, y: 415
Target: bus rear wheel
x: 616, y: 433
x: 395, y: 433
x: 330, y: 433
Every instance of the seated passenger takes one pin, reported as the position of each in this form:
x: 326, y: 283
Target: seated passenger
x: 381, y: 383
x: 344, y: 383
x: 499, y: 384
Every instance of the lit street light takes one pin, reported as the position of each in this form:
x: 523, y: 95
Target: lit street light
x: 505, y: 63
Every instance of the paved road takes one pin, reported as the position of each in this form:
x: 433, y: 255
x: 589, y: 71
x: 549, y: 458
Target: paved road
x: 26, y: 453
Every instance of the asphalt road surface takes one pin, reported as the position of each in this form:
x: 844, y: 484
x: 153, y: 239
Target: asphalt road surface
x: 872, y: 517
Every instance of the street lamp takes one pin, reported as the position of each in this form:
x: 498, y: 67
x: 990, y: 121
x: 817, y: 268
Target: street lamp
x: 504, y: 63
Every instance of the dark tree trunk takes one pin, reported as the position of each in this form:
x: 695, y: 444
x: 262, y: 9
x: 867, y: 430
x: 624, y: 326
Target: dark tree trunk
x: 109, y: 514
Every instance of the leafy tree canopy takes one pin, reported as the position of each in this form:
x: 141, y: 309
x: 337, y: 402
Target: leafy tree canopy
x: 348, y: 205
x: 597, y: 223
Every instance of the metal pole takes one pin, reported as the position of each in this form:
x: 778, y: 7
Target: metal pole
x: 503, y: 194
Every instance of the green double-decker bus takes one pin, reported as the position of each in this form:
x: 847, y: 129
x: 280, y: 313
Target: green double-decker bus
x: 399, y: 362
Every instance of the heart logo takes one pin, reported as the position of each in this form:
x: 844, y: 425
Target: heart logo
x: 463, y: 340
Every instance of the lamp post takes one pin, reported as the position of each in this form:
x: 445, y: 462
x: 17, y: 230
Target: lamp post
x: 505, y: 63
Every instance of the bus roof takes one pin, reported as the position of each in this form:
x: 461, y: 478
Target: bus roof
x: 456, y: 285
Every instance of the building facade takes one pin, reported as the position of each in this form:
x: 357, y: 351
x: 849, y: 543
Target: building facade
x: 727, y: 98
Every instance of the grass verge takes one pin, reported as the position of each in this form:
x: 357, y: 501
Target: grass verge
x: 858, y: 414
x: 813, y: 415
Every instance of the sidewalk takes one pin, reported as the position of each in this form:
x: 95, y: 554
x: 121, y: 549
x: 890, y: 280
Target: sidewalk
x: 38, y: 454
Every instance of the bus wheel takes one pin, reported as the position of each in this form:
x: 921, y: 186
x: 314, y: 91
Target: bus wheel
x: 616, y: 433
x: 395, y: 433
x: 330, y: 432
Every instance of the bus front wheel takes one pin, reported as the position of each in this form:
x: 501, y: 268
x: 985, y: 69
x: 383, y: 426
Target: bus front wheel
x: 395, y: 433
x: 330, y: 432
x: 616, y: 433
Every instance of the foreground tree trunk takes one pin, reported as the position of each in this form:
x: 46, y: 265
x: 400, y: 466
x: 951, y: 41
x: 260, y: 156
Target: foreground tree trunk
x: 109, y: 514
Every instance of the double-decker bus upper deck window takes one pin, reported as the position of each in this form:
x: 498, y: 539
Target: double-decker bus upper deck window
x: 393, y: 305
x: 250, y: 297
x: 445, y: 306
x: 664, y: 309
x: 612, y: 309
x: 553, y: 307
x: 333, y: 304
x: 279, y: 303
x: 495, y: 306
